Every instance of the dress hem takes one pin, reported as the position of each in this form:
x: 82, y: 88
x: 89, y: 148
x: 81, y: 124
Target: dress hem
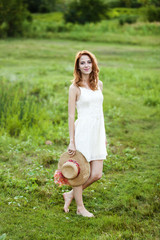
x: 97, y: 159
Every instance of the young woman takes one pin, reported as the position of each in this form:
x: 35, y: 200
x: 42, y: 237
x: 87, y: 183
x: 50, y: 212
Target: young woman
x: 87, y: 134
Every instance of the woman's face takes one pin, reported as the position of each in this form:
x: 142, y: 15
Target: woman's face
x: 85, y: 64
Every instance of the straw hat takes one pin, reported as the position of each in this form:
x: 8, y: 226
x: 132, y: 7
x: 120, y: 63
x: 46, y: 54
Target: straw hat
x: 75, y: 169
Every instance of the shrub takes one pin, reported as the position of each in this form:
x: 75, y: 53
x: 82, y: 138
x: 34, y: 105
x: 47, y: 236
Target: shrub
x: 127, y: 19
x: 13, y: 14
x: 40, y: 6
x: 153, y: 13
x: 59, y: 27
x: 130, y: 3
x: 86, y: 11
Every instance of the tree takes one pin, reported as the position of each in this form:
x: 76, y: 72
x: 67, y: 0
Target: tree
x: 86, y: 11
x: 13, y: 13
x: 150, y: 2
x: 130, y: 3
x: 133, y: 3
x: 41, y: 6
x: 153, y: 14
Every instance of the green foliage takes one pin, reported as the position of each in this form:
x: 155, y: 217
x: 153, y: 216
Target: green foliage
x: 53, y: 17
x: 61, y: 5
x: 17, y: 110
x: 85, y: 11
x: 153, y: 13
x: 146, y: 3
x: 132, y: 3
x: 52, y: 26
x: 118, y: 12
x: 127, y: 19
x: 23, y: 111
x: 40, y: 6
x: 3, y: 236
x: 13, y: 18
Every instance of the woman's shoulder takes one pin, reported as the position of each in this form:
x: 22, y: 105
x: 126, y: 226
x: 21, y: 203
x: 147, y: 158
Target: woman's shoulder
x: 73, y: 88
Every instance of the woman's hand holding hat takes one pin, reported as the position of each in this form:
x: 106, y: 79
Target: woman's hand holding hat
x: 71, y: 149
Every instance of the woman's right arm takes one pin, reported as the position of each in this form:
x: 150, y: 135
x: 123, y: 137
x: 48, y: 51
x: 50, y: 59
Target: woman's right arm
x: 71, y: 119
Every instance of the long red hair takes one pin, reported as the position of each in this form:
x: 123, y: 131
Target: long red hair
x: 93, y: 76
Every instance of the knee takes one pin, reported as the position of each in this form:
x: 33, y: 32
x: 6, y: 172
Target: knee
x: 96, y: 176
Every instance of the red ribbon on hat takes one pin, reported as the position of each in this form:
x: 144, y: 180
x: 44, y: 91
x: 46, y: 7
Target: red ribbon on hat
x: 60, y: 179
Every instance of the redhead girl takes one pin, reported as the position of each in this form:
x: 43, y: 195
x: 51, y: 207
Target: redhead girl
x: 87, y: 133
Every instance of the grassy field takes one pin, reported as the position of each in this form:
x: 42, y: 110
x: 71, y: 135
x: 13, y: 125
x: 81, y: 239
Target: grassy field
x: 52, y: 25
x: 34, y: 78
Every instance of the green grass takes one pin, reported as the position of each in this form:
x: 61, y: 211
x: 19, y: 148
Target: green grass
x: 52, y: 25
x: 49, y: 17
x: 35, y: 76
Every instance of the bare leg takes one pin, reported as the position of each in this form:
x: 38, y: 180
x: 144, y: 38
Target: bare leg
x: 96, y: 172
x: 81, y: 210
x: 96, y: 168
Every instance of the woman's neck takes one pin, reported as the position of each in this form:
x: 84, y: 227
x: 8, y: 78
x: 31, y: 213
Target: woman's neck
x: 85, y: 78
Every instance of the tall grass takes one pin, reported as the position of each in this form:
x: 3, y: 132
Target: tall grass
x: 111, y: 26
x: 17, y: 110
x: 53, y: 26
x: 24, y: 110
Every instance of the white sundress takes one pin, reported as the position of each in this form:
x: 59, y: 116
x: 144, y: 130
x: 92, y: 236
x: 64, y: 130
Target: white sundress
x: 89, y: 126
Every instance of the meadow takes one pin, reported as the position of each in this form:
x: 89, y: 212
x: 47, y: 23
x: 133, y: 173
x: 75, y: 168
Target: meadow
x: 126, y: 26
x: 34, y: 78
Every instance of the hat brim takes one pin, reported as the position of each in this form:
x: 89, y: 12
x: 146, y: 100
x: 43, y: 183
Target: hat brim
x: 84, y: 168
